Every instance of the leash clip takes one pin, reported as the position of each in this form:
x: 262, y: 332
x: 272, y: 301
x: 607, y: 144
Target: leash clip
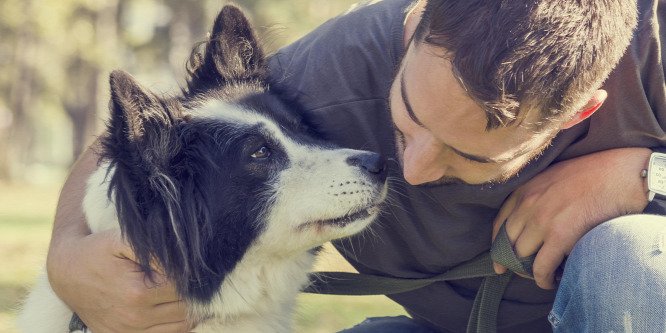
x: 76, y: 324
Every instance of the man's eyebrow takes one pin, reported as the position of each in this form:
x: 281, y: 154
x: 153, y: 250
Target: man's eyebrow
x: 412, y: 115
x: 405, y: 100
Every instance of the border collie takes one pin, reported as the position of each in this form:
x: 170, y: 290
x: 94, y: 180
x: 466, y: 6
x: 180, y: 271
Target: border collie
x: 223, y: 188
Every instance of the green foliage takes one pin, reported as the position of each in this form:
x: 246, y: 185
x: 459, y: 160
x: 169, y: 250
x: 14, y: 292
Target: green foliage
x: 55, y: 56
x: 25, y: 227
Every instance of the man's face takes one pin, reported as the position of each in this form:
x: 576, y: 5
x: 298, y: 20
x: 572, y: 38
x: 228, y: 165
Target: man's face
x: 441, y: 132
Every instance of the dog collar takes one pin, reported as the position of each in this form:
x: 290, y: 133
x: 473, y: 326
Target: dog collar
x: 76, y: 324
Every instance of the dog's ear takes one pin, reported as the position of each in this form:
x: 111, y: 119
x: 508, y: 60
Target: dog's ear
x: 141, y: 143
x: 140, y: 121
x: 232, y: 54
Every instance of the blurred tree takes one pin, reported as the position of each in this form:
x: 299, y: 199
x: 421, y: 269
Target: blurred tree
x: 20, y: 101
x: 55, y: 56
x: 86, y: 68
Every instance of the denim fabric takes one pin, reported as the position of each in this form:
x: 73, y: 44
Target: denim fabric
x: 401, y: 324
x: 615, y: 279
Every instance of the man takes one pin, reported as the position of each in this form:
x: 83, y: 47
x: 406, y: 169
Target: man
x: 494, y: 113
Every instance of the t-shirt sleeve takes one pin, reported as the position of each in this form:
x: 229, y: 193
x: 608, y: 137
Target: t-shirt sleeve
x: 634, y: 114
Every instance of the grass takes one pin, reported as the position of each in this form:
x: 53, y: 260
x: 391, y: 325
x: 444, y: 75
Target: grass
x: 26, y: 213
x: 25, y: 227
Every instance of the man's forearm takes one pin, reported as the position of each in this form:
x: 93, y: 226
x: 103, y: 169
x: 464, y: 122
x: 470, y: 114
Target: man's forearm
x: 95, y: 275
x: 70, y: 223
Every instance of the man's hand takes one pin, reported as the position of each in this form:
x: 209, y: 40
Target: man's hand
x: 109, y: 292
x: 551, y: 212
x: 94, y: 273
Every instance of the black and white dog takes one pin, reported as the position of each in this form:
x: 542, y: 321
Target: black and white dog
x: 222, y: 189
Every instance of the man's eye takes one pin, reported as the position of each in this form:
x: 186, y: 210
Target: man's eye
x: 261, y: 153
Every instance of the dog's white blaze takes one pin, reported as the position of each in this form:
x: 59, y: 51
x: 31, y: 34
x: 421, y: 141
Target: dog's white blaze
x: 320, y: 185
x: 235, y: 114
x: 312, y: 172
x: 262, y: 283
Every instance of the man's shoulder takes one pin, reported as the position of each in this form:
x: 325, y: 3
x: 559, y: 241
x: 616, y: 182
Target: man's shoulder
x: 352, y: 55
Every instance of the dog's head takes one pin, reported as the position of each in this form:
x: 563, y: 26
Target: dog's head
x: 201, y: 178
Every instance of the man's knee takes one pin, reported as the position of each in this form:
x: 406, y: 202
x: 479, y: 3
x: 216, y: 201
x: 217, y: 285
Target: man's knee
x: 627, y: 240
x: 614, y: 277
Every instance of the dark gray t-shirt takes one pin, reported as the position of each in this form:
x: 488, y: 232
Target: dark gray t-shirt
x: 341, y: 73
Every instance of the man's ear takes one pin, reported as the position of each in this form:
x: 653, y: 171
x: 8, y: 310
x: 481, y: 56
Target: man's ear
x: 592, y: 105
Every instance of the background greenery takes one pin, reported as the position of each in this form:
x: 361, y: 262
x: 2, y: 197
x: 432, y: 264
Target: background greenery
x: 55, y: 57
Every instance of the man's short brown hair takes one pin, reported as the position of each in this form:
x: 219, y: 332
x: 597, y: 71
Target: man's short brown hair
x: 515, y: 56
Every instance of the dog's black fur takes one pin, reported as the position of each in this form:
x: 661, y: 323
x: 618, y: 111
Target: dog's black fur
x: 223, y: 188
x: 166, y: 164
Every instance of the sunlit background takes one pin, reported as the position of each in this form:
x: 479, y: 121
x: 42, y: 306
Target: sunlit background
x: 55, y: 58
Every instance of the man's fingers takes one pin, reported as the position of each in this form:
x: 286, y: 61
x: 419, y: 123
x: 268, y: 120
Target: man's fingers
x: 528, y: 242
x: 152, y: 293
x: 499, y: 269
x: 146, y: 319
x: 505, y: 211
x: 175, y: 311
x: 175, y: 327
x: 525, y: 241
x: 112, y: 243
x: 546, y: 265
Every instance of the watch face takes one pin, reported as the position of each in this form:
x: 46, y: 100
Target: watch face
x: 657, y: 173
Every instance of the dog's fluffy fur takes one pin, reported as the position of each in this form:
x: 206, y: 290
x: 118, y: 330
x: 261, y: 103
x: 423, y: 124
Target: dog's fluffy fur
x: 222, y: 189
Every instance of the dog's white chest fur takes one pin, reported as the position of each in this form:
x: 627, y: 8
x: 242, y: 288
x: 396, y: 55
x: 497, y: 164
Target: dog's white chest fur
x: 99, y: 210
x: 267, y: 298
x: 258, y: 296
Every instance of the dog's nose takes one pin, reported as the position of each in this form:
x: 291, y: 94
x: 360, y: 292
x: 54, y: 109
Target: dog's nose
x: 374, y: 165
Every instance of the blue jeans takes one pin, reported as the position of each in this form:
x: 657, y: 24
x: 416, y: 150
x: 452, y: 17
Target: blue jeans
x: 614, y: 281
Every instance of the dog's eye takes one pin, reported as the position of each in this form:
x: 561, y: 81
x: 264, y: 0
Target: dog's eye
x: 262, y: 153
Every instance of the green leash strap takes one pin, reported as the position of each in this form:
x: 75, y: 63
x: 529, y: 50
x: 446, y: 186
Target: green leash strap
x: 502, y: 252
x: 483, y: 318
x: 344, y: 283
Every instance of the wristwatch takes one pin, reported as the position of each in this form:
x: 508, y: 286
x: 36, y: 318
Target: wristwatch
x: 656, y: 177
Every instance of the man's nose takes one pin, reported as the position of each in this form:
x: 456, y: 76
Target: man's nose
x: 422, y: 163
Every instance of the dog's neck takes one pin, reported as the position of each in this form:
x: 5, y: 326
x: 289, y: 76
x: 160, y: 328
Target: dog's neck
x: 259, y: 295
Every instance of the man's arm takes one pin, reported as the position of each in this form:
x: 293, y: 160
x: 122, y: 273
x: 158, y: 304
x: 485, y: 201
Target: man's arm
x: 94, y: 273
x: 551, y: 212
x: 70, y: 224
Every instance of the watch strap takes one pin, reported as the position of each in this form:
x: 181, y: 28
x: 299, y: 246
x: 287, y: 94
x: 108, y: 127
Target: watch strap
x: 657, y: 205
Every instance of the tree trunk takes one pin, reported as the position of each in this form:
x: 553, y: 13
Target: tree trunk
x: 87, y: 105
x: 21, y: 101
